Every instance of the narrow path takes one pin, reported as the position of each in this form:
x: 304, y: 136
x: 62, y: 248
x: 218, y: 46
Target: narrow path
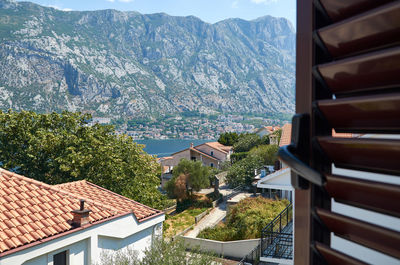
x: 210, y: 220
x: 218, y: 213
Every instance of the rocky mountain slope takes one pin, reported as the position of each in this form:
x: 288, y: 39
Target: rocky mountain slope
x: 127, y: 65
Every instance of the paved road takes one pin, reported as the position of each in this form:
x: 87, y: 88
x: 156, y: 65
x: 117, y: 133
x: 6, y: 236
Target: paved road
x: 210, y: 220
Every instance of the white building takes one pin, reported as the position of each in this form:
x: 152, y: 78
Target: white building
x: 278, y: 183
x: 70, y: 223
x: 266, y: 130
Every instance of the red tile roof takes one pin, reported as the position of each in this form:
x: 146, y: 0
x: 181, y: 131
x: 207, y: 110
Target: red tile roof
x: 219, y: 147
x: 286, y: 136
x: 117, y: 202
x: 32, y: 211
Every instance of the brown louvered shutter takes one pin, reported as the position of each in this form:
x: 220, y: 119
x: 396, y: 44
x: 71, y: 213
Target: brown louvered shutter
x: 347, y: 79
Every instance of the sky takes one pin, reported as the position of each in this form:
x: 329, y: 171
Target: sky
x: 210, y: 11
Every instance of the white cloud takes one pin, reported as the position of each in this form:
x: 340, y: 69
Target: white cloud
x: 266, y: 2
x: 235, y: 4
x: 59, y: 8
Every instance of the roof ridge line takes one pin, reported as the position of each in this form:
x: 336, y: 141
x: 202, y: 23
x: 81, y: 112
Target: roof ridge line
x: 71, y: 194
x: 52, y: 187
x: 121, y: 196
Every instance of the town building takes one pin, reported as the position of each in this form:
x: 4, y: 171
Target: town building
x: 267, y: 130
x: 211, y: 154
x: 71, y: 223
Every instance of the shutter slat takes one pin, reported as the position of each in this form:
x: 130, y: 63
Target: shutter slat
x: 339, y: 9
x: 372, y: 236
x: 363, y: 114
x: 377, y: 28
x: 334, y: 257
x: 376, y: 70
x: 366, y: 194
x: 378, y: 155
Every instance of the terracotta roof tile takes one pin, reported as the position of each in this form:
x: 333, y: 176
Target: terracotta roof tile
x: 115, y: 201
x: 31, y: 210
x: 286, y: 136
x: 220, y: 147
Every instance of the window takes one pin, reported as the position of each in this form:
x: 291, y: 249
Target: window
x: 60, y: 258
x: 211, y: 165
x: 212, y: 153
x: 193, y: 158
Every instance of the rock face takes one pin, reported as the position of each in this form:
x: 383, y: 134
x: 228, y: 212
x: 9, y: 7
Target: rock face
x: 128, y: 65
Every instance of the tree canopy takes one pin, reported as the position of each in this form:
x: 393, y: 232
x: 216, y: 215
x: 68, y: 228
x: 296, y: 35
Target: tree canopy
x: 228, y: 138
x: 57, y: 148
x: 242, y: 171
x: 246, y: 141
x: 190, y: 174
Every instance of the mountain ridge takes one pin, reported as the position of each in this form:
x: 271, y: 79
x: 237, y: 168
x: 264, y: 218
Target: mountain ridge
x: 122, y: 64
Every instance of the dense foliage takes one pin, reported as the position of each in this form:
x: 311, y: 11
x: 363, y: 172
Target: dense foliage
x: 266, y: 153
x: 235, y: 157
x: 188, y: 176
x: 246, y: 219
x: 161, y: 252
x: 228, y: 138
x: 57, y: 148
x: 246, y: 141
x: 242, y: 171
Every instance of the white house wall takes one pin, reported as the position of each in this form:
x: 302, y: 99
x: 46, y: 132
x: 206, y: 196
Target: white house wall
x: 77, y: 252
x: 85, y: 246
x: 279, y: 180
x: 138, y: 241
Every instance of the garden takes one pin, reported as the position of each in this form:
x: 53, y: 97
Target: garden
x: 246, y: 219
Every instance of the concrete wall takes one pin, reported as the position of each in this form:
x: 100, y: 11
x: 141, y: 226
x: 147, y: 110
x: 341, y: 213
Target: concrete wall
x: 207, y: 161
x: 77, y: 254
x: 84, y: 246
x: 138, y: 241
x: 234, y: 249
x: 178, y: 156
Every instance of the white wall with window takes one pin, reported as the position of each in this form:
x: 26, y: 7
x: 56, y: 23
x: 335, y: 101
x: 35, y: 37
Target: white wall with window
x: 83, y: 246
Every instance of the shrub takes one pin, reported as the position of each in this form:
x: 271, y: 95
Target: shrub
x: 246, y: 219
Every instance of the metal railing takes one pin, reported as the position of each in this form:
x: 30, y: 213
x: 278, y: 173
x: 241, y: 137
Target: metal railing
x: 252, y: 258
x: 274, y: 241
x: 277, y: 237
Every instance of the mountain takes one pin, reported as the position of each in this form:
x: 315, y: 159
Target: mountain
x: 129, y: 65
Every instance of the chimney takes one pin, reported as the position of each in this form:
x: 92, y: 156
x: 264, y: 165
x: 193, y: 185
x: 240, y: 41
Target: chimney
x: 191, y: 145
x: 81, y: 216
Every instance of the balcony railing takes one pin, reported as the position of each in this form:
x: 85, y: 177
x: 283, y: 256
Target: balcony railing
x: 277, y: 236
x: 276, y: 239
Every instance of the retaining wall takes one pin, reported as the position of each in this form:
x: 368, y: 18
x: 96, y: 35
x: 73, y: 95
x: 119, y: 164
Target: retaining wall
x: 233, y: 249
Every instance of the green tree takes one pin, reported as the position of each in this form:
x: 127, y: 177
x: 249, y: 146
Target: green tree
x: 242, y: 172
x: 246, y: 141
x: 197, y: 177
x: 161, y: 252
x: 57, y: 148
x: 228, y: 138
x: 266, y: 153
